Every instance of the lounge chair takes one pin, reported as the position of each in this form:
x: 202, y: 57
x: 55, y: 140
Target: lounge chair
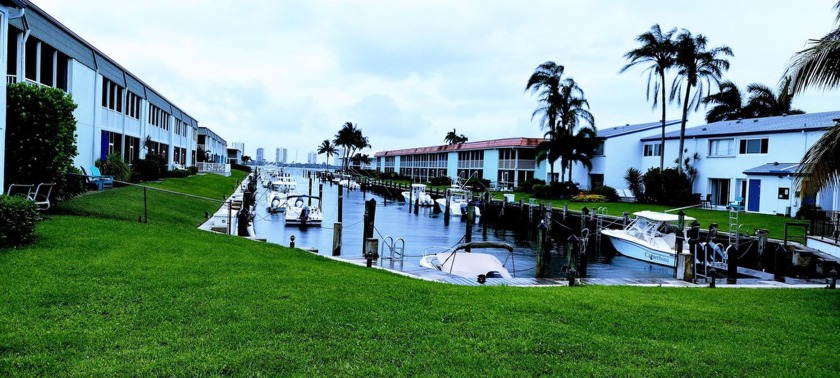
x: 737, y: 204
x: 20, y: 190
x: 41, y: 197
x: 96, y: 179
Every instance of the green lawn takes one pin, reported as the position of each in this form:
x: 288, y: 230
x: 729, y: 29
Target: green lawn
x: 100, y: 294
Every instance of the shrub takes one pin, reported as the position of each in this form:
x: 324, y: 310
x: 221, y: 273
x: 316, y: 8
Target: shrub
x: 178, y: 173
x: 114, y: 166
x: 563, y: 189
x: 608, y: 192
x: 528, y: 185
x: 17, y: 221
x: 440, y: 181
x: 193, y: 170
x: 540, y: 191
x: 582, y: 197
x: 40, y: 136
x: 668, y: 187
x: 240, y: 167
x: 74, y: 185
x: 151, y: 168
x: 635, y: 183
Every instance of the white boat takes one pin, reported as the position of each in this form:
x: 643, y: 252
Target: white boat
x: 276, y: 202
x: 469, y: 264
x: 458, y: 200
x: 284, y: 184
x: 299, y: 212
x: 418, y: 192
x: 650, y: 237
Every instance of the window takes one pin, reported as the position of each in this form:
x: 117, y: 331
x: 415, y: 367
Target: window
x: 599, y: 149
x: 654, y: 149
x: 721, y: 147
x: 754, y: 146
x: 784, y: 193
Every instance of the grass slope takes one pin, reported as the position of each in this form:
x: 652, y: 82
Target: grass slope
x: 103, y: 296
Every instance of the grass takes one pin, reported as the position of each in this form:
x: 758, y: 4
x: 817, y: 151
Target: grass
x: 100, y: 294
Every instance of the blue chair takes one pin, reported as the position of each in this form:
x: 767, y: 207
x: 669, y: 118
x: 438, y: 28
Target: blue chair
x: 106, y: 181
x: 737, y: 204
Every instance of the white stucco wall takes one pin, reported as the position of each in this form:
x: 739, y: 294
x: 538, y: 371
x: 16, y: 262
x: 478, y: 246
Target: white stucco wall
x: 85, y: 86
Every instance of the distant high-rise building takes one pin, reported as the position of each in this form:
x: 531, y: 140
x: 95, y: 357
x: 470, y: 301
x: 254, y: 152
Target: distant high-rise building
x: 284, y: 155
x: 277, y: 156
x: 312, y: 158
x: 260, y: 156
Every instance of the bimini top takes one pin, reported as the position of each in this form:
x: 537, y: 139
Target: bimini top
x: 660, y: 217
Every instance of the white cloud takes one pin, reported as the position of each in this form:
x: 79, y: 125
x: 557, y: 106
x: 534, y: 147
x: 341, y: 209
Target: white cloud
x: 290, y: 73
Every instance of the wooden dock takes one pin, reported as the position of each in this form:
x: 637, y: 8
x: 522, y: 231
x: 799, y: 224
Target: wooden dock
x: 417, y: 272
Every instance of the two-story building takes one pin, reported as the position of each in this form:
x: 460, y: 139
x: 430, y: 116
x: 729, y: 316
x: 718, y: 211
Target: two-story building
x: 117, y: 112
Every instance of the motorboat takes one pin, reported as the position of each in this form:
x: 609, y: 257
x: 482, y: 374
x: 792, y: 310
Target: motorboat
x: 276, y: 202
x: 347, y: 181
x: 284, y: 184
x: 303, y: 210
x: 457, y: 261
x: 459, y: 199
x: 650, y: 237
x: 418, y: 193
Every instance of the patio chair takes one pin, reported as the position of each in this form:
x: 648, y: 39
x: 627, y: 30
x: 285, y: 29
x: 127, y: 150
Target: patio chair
x: 95, y: 178
x: 20, y: 190
x: 41, y: 197
x: 737, y: 204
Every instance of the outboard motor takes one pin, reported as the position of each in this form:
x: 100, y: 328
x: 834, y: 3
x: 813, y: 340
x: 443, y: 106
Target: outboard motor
x: 304, y: 214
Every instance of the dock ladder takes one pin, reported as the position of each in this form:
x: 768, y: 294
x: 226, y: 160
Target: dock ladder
x: 733, y: 225
x: 396, y: 249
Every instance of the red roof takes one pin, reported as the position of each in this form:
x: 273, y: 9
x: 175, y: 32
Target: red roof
x: 469, y: 146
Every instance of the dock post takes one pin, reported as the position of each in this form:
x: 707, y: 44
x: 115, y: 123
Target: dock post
x: 625, y: 219
x: 446, y: 209
x: 540, y: 250
x: 336, y: 251
x: 780, y: 262
x: 340, y: 204
x: 369, y: 221
x: 470, y: 221
x: 310, y: 191
x: 732, y: 266
x: 832, y: 279
x: 693, y: 241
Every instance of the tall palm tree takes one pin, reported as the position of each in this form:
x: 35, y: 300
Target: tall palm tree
x: 545, y: 81
x: 658, y: 51
x: 452, y: 137
x: 574, y: 108
x: 818, y: 66
x: 327, y: 148
x: 584, y: 143
x: 728, y: 103
x: 698, y: 67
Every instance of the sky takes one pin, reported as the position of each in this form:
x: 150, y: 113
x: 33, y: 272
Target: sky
x: 282, y: 73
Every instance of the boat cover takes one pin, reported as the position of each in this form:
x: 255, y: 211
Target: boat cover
x: 470, y: 265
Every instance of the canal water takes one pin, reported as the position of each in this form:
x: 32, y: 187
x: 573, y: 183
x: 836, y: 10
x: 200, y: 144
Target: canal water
x: 424, y: 232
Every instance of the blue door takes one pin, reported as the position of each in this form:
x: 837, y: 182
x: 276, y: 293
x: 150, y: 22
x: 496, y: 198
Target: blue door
x: 754, y: 198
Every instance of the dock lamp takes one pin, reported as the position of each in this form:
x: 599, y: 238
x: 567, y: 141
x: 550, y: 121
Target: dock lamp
x: 832, y: 278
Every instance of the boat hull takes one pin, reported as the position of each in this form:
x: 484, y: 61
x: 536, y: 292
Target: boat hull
x: 627, y: 246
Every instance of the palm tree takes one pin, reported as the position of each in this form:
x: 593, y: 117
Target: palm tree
x: 818, y: 66
x: 696, y: 66
x: 351, y: 139
x: 327, y: 148
x: 728, y: 103
x: 359, y: 159
x: 546, y: 82
x: 584, y: 143
x: 764, y: 103
x: 453, y: 138
x: 573, y: 108
x: 659, y: 51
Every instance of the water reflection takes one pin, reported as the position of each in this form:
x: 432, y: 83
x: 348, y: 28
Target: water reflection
x: 422, y: 232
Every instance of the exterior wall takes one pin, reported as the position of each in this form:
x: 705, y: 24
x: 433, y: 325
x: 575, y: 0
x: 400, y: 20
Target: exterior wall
x: 452, y: 166
x: 4, y: 49
x: 782, y: 147
x: 86, y: 87
x: 490, y: 167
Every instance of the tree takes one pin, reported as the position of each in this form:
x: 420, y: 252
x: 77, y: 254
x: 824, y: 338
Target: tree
x: 453, y: 138
x: 573, y: 108
x: 728, y: 103
x: 546, y: 82
x: 696, y: 66
x: 764, y: 103
x: 659, y: 51
x: 40, y: 137
x: 818, y: 66
x: 359, y: 159
x: 761, y: 102
x: 328, y: 149
x: 350, y: 137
